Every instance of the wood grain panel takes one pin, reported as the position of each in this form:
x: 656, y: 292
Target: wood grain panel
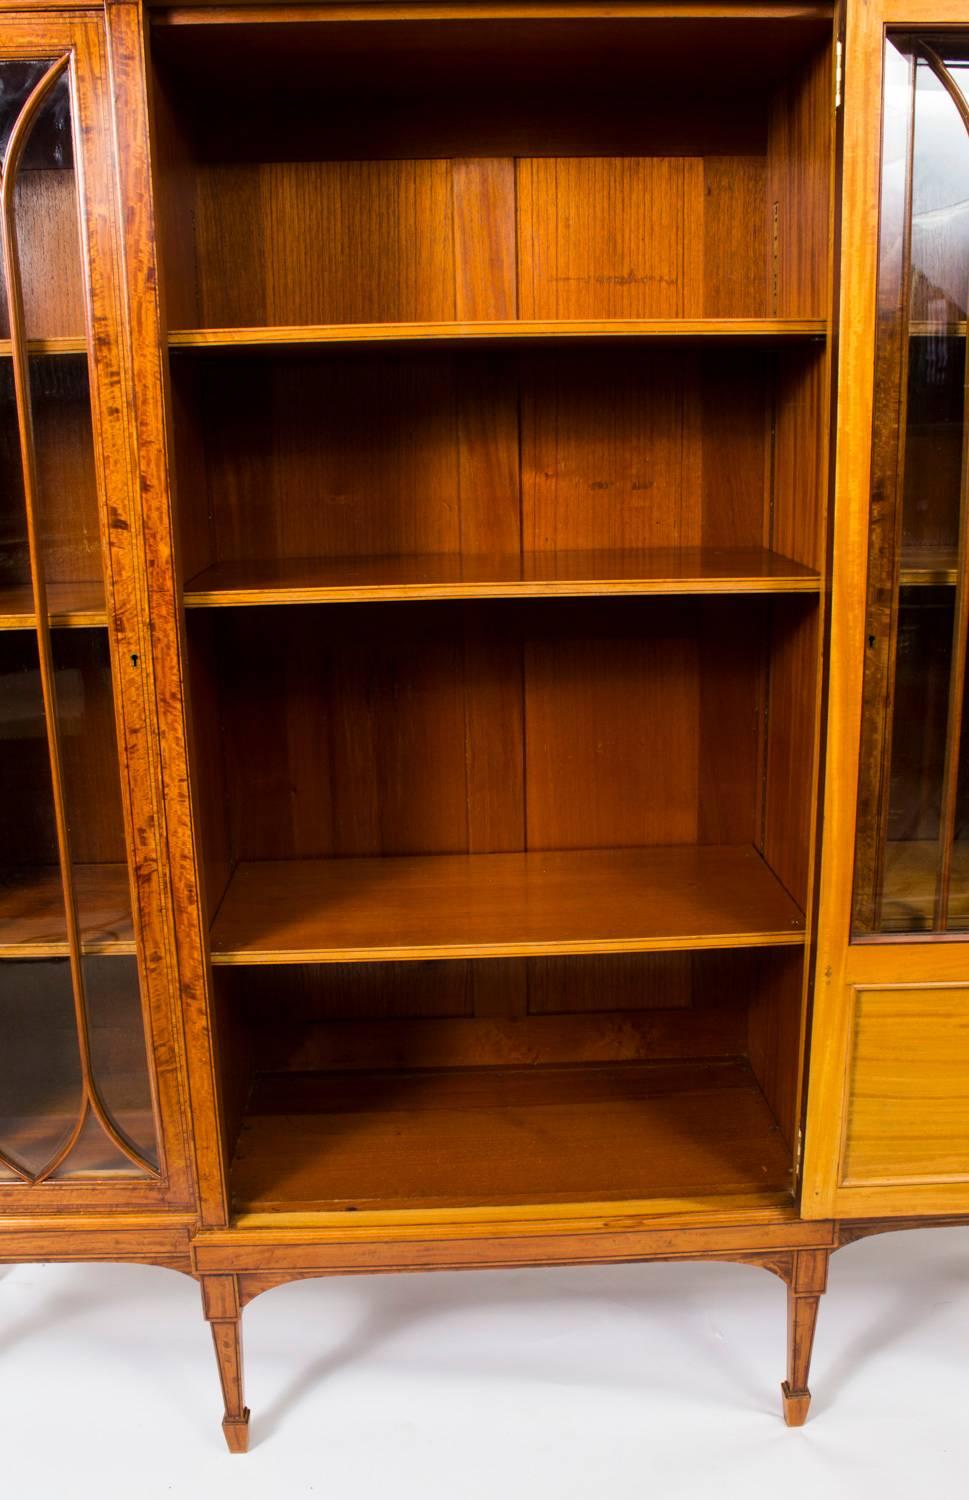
x: 908, y: 1103
x: 605, y: 765
x: 289, y: 1000
x: 174, y: 188
x: 611, y: 452
x: 791, y: 743
x: 233, y: 275
x: 610, y: 237
x: 621, y: 1036
x: 366, y: 742
x: 611, y: 982
x: 800, y: 475
x: 775, y: 1019
x: 736, y: 237
x: 799, y: 162
x: 642, y: 451
x: 731, y: 718
x: 202, y: 693
x: 284, y: 242
x: 485, y: 244
x: 337, y: 458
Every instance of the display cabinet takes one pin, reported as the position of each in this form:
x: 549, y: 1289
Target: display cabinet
x: 484, y: 629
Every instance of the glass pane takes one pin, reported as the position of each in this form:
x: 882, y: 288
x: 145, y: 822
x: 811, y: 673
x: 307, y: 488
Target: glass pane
x: 75, y: 1066
x: 911, y: 872
x: 40, y: 1081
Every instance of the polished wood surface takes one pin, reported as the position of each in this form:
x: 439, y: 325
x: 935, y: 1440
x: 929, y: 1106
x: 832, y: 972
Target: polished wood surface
x: 309, y: 580
x: 907, y: 1112
x: 587, y: 901
x: 513, y: 1136
x: 766, y: 330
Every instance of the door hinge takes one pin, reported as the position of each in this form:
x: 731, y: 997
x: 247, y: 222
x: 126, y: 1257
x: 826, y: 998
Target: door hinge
x: 798, y: 1155
x: 838, y: 72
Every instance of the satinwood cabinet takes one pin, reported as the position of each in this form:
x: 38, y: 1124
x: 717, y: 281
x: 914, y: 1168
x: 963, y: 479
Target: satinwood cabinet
x: 484, y: 598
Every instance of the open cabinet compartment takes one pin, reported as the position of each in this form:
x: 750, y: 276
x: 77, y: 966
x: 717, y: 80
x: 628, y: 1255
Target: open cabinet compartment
x: 506, y: 847
x: 506, y: 869
x: 490, y: 171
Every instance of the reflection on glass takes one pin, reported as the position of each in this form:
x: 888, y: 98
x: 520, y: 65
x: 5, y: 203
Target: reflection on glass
x: 75, y: 1095
x: 911, y: 873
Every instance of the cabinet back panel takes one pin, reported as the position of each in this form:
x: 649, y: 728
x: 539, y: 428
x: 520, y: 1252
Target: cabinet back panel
x: 465, y: 728
x: 597, y: 237
x: 609, y: 1008
x: 315, y: 456
x: 642, y: 237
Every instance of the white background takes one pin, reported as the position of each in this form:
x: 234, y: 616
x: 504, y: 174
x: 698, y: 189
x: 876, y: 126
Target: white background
x: 605, y: 1382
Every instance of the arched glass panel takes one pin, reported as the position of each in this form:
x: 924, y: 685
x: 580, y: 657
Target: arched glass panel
x: 75, y: 1093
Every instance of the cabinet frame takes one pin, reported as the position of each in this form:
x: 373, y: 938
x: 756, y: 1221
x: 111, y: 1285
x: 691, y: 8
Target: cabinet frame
x: 81, y: 37
x: 841, y: 964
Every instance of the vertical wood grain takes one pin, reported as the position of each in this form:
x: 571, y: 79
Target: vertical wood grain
x: 485, y: 244
x: 610, y: 237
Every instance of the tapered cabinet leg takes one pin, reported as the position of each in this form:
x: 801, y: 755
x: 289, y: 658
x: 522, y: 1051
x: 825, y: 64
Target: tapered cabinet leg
x: 804, y: 1292
x: 220, y: 1301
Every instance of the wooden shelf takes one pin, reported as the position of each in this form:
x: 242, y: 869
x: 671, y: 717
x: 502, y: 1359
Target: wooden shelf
x: 693, y: 570
x: 680, y: 1133
x: 72, y: 605
x: 929, y: 567
x: 74, y: 344
x: 748, y: 329
x: 496, y: 905
x: 32, y: 911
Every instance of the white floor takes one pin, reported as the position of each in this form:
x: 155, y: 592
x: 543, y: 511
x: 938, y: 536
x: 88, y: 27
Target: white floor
x: 632, y: 1381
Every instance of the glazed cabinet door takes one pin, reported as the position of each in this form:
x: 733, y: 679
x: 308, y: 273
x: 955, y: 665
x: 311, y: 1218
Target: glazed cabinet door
x: 888, y: 1119
x: 89, y: 1111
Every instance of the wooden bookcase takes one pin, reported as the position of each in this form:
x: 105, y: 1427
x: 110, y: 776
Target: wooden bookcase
x: 419, y: 621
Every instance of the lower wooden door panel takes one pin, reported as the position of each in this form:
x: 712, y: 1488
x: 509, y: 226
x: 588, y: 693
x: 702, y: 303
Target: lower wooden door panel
x: 907, y: 1120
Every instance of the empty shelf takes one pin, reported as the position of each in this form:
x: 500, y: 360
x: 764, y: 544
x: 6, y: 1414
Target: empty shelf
x: 768, y: 329
x: 494, y: 905
x: 678, y: 1132
x: 689, y: 570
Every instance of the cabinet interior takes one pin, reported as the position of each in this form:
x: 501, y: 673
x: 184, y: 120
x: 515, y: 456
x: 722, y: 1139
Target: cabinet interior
x: 498, y: 436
